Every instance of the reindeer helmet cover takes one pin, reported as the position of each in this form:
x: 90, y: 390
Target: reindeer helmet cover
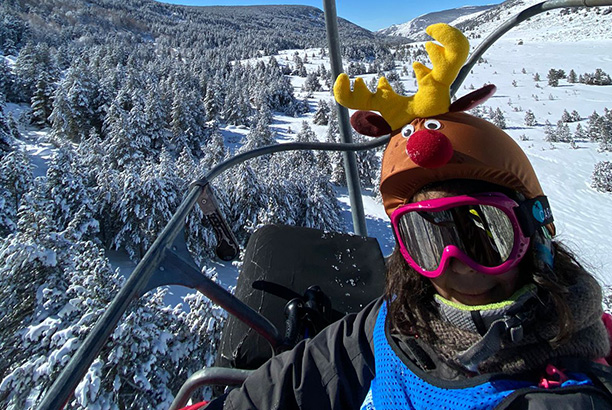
x: 432, y: 139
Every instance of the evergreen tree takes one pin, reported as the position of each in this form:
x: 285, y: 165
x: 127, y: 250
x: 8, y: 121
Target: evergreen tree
x: 575, y: 116
x: 530, y: 119
x: 73, y: 112
x: 601, y: 179
x: 125, y: 141
x: 214, y: 151
x: 571, y: 77
x: 498, y: 118
x: 260, y: 136
x: 549, y: 133
x: 42, y: 102
x: 5, y: 134
x: 247, y: 197
x: 148, y: 199
x: 321, y: 115
x: 563, y: 132
x: 212, y: 102
x: 155, y: 115
x: 312, y: 84
x: 594, y: 126
x: 13, y: 128
x: 566, y: 117
x: 338, y: 175
x: 579, y: 133
x: 367, y: 163
x: 321, y: 207
x: 67, y: 195
x: 554, y: 76
x: 304, y: 160
x: 16, y: 180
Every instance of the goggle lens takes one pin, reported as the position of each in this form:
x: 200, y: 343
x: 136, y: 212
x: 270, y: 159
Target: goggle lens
x: 484, y: 233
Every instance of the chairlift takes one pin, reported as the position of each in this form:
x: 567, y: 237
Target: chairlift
x: 316, y: 280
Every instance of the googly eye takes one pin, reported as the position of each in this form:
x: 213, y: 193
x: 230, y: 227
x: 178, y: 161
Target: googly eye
x: 433, y: 125
x: 407, y: 130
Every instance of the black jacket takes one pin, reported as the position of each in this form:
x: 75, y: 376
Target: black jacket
x: 333, y: 370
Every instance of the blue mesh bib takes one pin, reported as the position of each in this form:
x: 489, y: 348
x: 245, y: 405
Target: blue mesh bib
x: 396, y: 387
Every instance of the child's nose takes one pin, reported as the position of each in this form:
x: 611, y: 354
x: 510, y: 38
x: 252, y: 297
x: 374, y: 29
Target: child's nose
x: 461, y: 268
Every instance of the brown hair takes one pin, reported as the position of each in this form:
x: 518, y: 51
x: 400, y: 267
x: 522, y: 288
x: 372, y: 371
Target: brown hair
x: 410, y: 294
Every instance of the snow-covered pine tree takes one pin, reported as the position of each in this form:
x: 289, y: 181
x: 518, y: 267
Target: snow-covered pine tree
x: 303, y: 161
x: 6, y: 141
x: 67, y: 194
x: 338, y: 176
x: 550, y: 134
x: 212, y: 101
x: 575, y: 116
x: 41, y: 101
x: 498, y: 118
x: 563, y: 132
x: 205, y: 322
x: 16, y: 180
x: 566, y: 117
x: 73, y: 112
x: 246, y: 197
x: 124, y: 140
x: 155, y: 114
x: 312, y: 84
x: 594, y: 126
x: 146, y: 203
x: 579, y: 133
x: 321, y: 115
x: 601, y: 179
x: 367, y: 163
x: 259, y: 136
x: 322, y: 210
x: 214, y: 151
x: 530, y: 119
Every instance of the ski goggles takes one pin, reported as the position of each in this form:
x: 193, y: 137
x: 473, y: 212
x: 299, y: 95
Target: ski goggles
x: 488, y: 232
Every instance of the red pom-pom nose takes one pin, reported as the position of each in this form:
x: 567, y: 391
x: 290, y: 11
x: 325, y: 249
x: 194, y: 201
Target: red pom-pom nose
x: 429, y: 148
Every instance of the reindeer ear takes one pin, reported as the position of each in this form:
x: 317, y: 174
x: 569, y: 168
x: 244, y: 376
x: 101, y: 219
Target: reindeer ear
x: 471, y: 100
x: 370, y: 124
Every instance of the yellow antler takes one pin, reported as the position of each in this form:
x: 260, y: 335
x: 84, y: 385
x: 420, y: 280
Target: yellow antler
x: 432, y: 97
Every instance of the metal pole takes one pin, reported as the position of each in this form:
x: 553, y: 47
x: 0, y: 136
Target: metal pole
x: 350, y: 161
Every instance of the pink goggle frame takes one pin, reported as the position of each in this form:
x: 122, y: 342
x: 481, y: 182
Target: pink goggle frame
x: 423, y: 215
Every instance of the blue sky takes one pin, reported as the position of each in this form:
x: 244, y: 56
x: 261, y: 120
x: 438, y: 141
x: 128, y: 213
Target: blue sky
x: 369, y: 14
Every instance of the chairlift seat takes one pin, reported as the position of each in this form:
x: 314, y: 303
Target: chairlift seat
x: 349, y: 269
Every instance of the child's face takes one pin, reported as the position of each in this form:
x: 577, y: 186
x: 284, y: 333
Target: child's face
x: 461, y: 283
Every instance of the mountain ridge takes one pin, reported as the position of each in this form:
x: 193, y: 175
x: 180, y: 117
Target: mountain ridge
x: 563, y: 24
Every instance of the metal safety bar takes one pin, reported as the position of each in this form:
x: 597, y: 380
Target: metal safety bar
x: 211, y: 376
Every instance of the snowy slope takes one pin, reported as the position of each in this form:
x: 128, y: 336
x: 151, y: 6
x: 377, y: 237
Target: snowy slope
x: 415, y: 28
x: 559, y: 25
x: 572, y: 24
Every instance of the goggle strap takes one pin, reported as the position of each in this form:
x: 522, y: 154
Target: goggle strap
x: 533, y: 214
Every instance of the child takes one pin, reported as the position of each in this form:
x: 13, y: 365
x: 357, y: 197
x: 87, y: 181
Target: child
x: 482, y: 309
